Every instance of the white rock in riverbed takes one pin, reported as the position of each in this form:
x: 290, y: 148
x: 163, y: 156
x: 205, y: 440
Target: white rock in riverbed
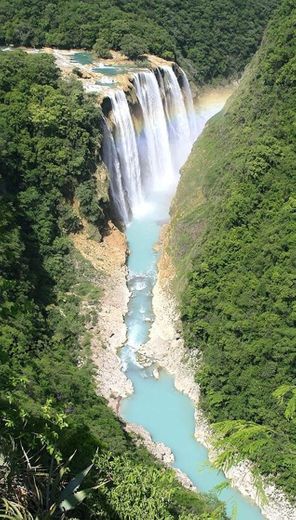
x: 158, y: 449
x: 169, y: 352
x: 155, y: 373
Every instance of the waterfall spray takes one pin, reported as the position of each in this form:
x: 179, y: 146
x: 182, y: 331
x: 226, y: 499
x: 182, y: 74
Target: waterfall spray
x: 177, y: 118
x: 189, y: 105
x: 145, y: 157
x: 153, y: 139
x: 121, y: 158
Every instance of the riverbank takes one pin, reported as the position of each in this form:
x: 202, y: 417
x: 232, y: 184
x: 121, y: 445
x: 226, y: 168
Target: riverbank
x: 109, y: 333
x: 166, y: 348
x: 94, y: 72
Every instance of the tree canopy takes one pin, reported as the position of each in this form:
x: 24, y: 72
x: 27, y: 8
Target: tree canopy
x: 236, y: 238
x: 212, y: 39
x: 55, y: 430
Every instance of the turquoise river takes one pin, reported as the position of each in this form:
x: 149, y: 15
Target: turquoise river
x: 167, y: 414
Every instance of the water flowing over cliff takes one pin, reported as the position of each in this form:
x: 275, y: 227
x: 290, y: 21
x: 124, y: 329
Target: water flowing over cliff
x: 146, y: 142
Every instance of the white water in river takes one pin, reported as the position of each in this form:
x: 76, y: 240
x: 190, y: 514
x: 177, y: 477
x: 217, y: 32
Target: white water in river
x: 155, y: 404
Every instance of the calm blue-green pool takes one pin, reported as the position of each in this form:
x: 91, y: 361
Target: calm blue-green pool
x: 114, y: 70
x: 169, y: 417
x: 84, y: 58
x: 110, y: 70
x: 156, y: 404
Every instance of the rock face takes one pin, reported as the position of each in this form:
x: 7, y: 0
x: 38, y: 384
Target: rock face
x: 109, y: 334
x: 158, y: 449
x: 166, y: 347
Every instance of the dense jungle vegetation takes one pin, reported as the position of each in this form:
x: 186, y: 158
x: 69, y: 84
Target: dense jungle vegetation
x: 216, y: 39
x: 57, y: 435
x: 234, y: 231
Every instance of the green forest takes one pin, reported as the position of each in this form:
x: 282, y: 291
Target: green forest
x: 234, y: 245
x: 63, y: 452
x: 57, y: 435
x: 213, y: 40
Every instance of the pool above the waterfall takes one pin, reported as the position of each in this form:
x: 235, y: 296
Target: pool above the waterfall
x: 83, y: 58
x: 114, y: 70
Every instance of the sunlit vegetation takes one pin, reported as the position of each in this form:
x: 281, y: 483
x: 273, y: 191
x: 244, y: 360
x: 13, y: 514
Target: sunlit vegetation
x: 234, y: 234
x: 63, y: 453
x: 212, y: 39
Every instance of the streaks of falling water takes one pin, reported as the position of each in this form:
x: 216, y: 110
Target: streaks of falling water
x: 120, y: 154
x: 191, y: 113
x: 117, y: 191
x: 177, y: 117
x: 146, y: 156
x: 153, y: 140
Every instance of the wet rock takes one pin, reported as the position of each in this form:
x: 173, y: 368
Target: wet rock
x: 158, y: 449
x: 156, y: 373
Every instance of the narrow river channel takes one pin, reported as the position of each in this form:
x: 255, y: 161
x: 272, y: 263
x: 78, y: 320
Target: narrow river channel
x: 166, y: 413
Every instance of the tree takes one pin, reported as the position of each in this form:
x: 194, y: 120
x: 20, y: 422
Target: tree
x: 102, y: 49
x: 133, y: 46
x: 287, y: 391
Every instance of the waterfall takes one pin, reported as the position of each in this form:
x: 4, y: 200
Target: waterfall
x: 154, y: 140
x: 118, y: 192
x: 189, y: 105
x: 177, y: 118
x: 120, y: 154
x: 145, y: 148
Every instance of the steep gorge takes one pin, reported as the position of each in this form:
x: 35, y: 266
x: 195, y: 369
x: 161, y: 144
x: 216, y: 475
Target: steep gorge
x: 232, y: 243
x: 50, y: 412
x: 220, y: 218
x: 143, y: 227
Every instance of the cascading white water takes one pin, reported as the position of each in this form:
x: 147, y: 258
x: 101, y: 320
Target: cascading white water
x: 153, y: 140
x: 121, y: 158
x: 148, y: 160
x: 177, y: 118
x: 118, y: 193
x: 191, y: 114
